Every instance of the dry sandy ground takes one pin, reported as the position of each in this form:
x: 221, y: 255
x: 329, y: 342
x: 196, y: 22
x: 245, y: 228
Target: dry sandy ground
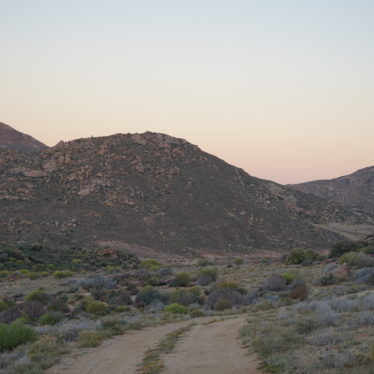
x: 212, y: 349
x: 207, y: 348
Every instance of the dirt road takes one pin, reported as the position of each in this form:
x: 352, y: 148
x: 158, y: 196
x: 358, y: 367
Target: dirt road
x: 212, y: 349
x: 207, y: 348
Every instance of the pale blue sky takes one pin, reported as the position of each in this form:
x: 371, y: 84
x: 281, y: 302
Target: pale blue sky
x: 283, y: 89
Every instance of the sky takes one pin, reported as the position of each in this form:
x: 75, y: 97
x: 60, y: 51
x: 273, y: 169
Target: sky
x: 283, y: 89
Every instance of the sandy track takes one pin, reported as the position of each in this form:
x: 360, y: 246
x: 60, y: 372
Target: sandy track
x: 212, y: 349
x: 207, y: 348
x: 119, y: 355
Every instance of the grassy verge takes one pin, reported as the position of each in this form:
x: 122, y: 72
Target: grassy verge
x: 152, y: 362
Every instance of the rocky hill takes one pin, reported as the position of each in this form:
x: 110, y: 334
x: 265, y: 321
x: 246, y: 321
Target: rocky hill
x: 13, y: 139
x: 153, y: 191
x: 356, y: 189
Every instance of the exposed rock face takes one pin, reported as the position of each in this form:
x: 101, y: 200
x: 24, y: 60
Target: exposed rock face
x: 356, y: 189
x: 13, y: 139
x: 152, y: 190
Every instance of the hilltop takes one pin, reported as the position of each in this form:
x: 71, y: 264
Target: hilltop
x: 153, y: 191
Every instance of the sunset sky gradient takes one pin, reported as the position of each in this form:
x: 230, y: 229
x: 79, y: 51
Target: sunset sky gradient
x: 283, y: 89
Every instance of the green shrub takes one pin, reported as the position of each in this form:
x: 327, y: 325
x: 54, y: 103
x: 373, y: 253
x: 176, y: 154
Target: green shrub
x: 45, y: 351
x: 38, y: 295
x: 227, y: 285
x: 115, y: 327
x: 176, y: 309
x: 3, y: 305
x: 150, y: 264
x: 96, y: 307
x: 59, y: 274
x: 147, y: 294
x: 51, y: 318
x: 222, y: 304
x: 210, y: 272
x: 203, y: 262
x: 196, y: 312
x: 182, y: 279
x: 239, y: 261
x: 371, y: 352
x: 185, y: 296
x: 356, y: 259
x: 290, y: 276
x: 300, y: 256
x: 14, y: 334
x: 90, y: 338
x: 344, y: 246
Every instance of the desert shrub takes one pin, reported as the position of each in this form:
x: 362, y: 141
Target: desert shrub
x: 239, y: 261
x: 302, y: 256
x: 207, y: 276
x: 357, y: 259
x: 120, y: 298
x: 270, y: 340
x: 38, y: 295
x: 226, y: 290
x: 184, y: 296
x: 45, y: 351
x: 290, y: 276
x: 196, y: 312
x: 25, y: 368
x: 327, y: 280
x: 59, y: 304
x: 275, y: 283
x: 115, y: 326
x: 222, y: 304
x: 363, y: 319
x: 164, y: 272
x: 327, y: 337
x: 344, y: 246
x: 147, y: 294
x: 150, y: 264
x: 203, y: 262
x: 182, y: 279
x: 14, y: 334
x: 96, y: 282
x: 90, y: 338
x: 96, y: 307
x: 69, y: 329
x: 51, y: 318
x: 11, y: 314
x: 33, y: 310
x: 364, y: 275
x: 176, y: 309
x: 3, y: 305
x: 59, y: 274
x: 371, y: 352
x: 299, y: 292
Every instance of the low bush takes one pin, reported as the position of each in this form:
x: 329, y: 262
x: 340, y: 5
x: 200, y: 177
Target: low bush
x: 115, y: 326
x: 96, y: 307
x: 207, y: 276
x: 357, y: 259
x: 344, y: 246
x: 90, y: 338
x: 302, y: 256
x: 290, y: 276
x: 182, y: 279
x: 59, y: 274
x: 185, y: 296
x: 147, y: 294
x: 33, y: 310
x: 150, y: 264
x: 38, y: 295
x: 275, y: 283
x: 299, y: 292
x: 176, y: 309
x: 14, y: 334
x: 222, y: 304
x: 51, y: 318
x: 3, y: 305
x: 45, y: 351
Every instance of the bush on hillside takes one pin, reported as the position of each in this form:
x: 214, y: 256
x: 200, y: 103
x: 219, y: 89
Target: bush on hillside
x: 344, y: 246
x: 356, y: 259
x: 302, y: 256
x: 182, y: 279
x: 14, y: 334
x: 176, y: 308
x: 147, y: 294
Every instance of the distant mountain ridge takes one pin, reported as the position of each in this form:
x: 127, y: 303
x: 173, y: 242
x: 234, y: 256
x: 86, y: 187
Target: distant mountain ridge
x: 355, y: 189
x: 154, y: 191
x: 13, y: 139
